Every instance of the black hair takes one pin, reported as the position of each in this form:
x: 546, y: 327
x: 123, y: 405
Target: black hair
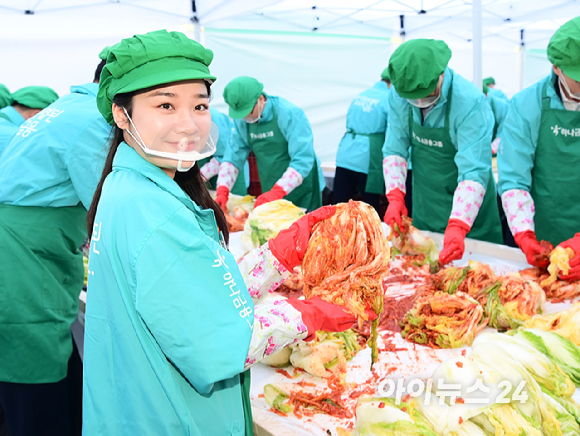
x: 190, y: 181
x: 98, y: 71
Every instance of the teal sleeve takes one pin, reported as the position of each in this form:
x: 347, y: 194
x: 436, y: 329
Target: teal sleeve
x: 473, y: 135
x: 397, y: 140
x: 517, y: 149
x: 501, y: 108
x: 225, y: 126
x: 86, y: 157
x: 297, y: 131
x: 189, y: 294
x: 239, y: 149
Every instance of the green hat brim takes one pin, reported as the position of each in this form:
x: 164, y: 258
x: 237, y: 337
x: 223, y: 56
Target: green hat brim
x: 419, y: 92
x: 573, y: 72
x: 154, y: 73
x: 243, y: 112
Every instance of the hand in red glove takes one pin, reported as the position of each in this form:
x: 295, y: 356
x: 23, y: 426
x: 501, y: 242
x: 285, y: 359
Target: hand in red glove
x: 290, y: 245
x: 536, y: 253
x: 223, y: 193
x: 276, y: 193
x: 317, y: 314
x: 454, y: 241
x: 574, y: 272
x: 396, y: 209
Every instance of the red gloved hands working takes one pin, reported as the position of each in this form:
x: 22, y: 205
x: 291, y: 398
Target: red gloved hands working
x: 396, y: 209
x: 290, y: 245
x: 276, y: 193
x: 536, y: 253
x: 223, y: 193
x: 317, y: 314
x: 574, y: 272
x: 454, y: 241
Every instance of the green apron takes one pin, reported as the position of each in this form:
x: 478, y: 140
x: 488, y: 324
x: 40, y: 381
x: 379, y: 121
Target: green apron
x: 555, y: 181
x: 435, y: 180
x: 239, y: 187
x: 375, y: 177
x: 271, y: 150
x: 41, y: 276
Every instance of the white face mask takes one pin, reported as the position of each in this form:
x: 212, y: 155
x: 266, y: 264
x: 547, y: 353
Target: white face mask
x: 251, y: 120
x: 186, y: 148
x: 426, y: 102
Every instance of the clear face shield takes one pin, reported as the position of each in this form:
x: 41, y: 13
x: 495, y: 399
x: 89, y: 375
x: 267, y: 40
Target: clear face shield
x: 184, y: 141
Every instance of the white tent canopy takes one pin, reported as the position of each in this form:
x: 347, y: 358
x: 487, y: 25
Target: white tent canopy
x: 316, y: 53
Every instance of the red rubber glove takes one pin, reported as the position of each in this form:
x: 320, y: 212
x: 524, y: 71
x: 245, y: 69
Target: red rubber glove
x: 276, y: 193
x: 536, y: 253
x: 574, y: 244
x: 223, y: 193
x: 396, y: 209
x: 317, y: 314
x: 289, y: 246
x: 454, y: 241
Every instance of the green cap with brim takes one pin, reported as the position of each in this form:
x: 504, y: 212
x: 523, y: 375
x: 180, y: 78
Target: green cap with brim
x: 564, y: 49
x: 5, y: 96
x: 241, y: 94
x: 485, y: 88
x: 489, y: 81
x: 155, y: 58
x: 104, y: 53
x: 385, y: 74
x: 415, y: 67
x: 35, y: 97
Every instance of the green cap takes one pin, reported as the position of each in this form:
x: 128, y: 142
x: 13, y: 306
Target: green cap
x: 489, y: 81
x: 564, y: 48
x: 241, y: 94
x: 485, y: 88
x: 104, y: 53
x: 415, y: 67
x: 5, y: 96
x: 152, y: 59
x: 35, y: 97
x: 385, y: 74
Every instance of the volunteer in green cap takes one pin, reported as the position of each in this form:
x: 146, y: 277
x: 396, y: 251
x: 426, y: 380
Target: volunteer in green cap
x: 48, y: 175
x: 449, y: 124
x: 172, y: 321
x: 539, y: 156
x: 210, y: 166
x: 492, y: 91
x: 280, y: 136
x: 5, y: 96
x: 26, y: 103
x: 360, y: 152
x: 499, y: 107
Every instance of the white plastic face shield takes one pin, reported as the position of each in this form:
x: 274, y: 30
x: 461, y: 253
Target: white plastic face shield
x: 564, y: 84
x: 179, y: 141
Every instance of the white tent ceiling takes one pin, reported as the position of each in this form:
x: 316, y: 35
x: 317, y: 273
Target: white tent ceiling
x: 317, y: 53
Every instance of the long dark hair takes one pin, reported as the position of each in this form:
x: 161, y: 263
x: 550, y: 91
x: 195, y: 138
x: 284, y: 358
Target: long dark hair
x: 190, y: 181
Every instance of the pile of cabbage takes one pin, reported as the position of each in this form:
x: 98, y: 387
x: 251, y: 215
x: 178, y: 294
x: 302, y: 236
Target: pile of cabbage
x: 530, y: 376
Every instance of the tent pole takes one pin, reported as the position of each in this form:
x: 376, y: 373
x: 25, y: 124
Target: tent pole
x: 477, y: 46
x: 196, y: 24
x: 521, y: 55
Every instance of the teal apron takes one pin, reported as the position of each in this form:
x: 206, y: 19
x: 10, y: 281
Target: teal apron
x: 271, y: 150
x: 435, y: 180
x: 555, y: 180
x: 375, y: 177
x: 239, y: 187
x: 41, y: 277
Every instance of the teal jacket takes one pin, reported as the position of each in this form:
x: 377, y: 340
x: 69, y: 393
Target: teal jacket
x: 517, y: 149
x: 367, y: 114
x: 226, y: 127
x: 470, y: 135
x: 12, y: 114
x: 56, y: 157
x: 497, y: 93
x: 296, y: 130
x: 500, y: 108
x: 169, y: 318
x: 10, y: 120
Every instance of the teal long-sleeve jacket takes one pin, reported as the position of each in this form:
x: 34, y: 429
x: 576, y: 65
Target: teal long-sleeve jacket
x: 56, y: 158
x: 296, y: 130
x: 470, y: 126
x: 517, y: 150
x: 169, y: 318
x: 367, y: 114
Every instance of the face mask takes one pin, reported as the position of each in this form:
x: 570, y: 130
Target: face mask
x: 426, y: 102
x: 251, y: 120
x: 564, y: 84
x: 180, y: 147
